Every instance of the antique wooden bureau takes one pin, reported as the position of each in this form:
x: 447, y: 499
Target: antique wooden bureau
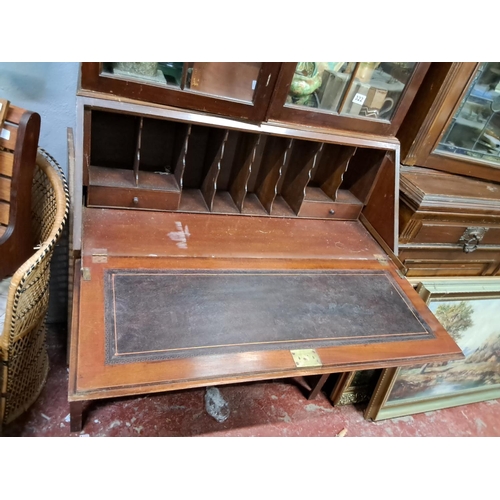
x: 210, y: 250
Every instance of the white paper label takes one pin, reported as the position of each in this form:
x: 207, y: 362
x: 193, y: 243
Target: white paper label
x: 1, y: 106
x: 254, y: 84
x: 359, y: 99
x: 5, y: 134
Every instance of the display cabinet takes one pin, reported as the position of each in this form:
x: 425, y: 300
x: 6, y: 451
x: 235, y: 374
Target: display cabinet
x: 238, y: 89
x: 369, y: 97
x: 453, y: 124
x: 210, y: 250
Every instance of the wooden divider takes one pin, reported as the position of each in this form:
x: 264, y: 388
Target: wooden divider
x: 214, y: 155
x: 303, y: 159
x: 274, y: 161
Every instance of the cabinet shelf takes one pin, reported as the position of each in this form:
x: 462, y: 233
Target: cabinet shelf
x: 203, y: 169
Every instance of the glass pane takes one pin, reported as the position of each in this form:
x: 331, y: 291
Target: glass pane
x: 475, y: 129
x: 377, y: 88
x: 233, y: 80
x: 319, y: 84
x: 163, y: 73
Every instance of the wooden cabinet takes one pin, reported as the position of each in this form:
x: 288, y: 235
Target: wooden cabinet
x: 449, y: 224
x: 211, y: 250
x: 453, y: 124
x: 240, y: 89
x: 362, y: 97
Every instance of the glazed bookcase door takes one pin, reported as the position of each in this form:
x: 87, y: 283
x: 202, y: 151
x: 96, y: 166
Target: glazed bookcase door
x: 371, y: 97
x: 469, y: 143
x: 237, y: 89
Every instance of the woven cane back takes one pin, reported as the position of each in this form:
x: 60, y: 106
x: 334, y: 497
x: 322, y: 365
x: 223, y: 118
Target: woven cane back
x: 23, y: 353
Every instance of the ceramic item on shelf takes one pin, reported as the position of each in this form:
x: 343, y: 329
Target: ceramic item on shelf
x: 306, y: 79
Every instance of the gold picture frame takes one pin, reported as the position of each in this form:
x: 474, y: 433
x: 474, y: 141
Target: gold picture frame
x: 470, y: 310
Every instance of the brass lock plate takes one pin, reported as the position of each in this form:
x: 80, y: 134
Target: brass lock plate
x: 306, y: 358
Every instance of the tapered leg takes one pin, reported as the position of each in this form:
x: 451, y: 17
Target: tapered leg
x: 318, y: 386
x: 75, y: 415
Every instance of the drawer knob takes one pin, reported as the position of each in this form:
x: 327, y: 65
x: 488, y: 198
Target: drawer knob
x: 136, y: 200
x: 332, y: 211
x: 471, y: 238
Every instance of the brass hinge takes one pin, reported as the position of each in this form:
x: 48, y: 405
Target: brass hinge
x: 86, y: 274
x: 100, y: 256
x: 304, y: 358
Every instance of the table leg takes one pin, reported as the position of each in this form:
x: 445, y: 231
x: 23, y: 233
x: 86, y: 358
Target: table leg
x: 317, y: 388
x: 75, y: 415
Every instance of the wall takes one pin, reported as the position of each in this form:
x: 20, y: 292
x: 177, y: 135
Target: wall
x: 50, y: 90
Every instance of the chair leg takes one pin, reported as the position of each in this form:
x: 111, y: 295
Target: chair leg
x: 75, y: 415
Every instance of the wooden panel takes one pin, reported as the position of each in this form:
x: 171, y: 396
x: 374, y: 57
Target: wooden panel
x: 451, y: 233
x: 380, y: 210
x: 8, y: 136
x: 215, y: 153
x: 6, y: 163
x: 303, y: 158
x: 5, y: 189
x: 180, y: 153
x: 242, y: 167
x: 15, y: 114
x: 427, y: 268
x: 229, y: 236
x: 275, y: 159
x: 4, y: 108
x: 4, y: 213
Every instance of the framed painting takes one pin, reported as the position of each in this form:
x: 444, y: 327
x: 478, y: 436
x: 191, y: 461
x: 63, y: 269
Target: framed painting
x: 354, y: 387
x: 469, y: 309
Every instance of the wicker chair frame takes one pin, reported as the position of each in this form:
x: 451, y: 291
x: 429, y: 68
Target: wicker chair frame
x: 24, y: 360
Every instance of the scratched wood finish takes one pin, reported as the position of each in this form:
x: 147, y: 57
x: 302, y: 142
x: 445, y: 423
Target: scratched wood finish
x: 227, y: 236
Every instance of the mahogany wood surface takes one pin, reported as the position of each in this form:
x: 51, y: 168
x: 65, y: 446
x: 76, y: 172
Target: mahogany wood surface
x: 140, y: 234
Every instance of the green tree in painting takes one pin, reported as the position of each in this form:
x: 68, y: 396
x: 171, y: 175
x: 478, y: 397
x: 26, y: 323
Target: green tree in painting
x: 455, y: 318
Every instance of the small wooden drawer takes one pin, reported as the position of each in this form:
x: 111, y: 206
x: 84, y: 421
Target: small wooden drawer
x: 139, y: 199
x: 346, y: 206
x: 432, y: 232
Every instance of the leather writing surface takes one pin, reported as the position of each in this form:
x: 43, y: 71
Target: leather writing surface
x: 178, y: 314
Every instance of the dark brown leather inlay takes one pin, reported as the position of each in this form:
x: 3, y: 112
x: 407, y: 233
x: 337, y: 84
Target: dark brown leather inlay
x: 173, y: 314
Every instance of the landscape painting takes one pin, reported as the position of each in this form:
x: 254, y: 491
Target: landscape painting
x: 475, y: 326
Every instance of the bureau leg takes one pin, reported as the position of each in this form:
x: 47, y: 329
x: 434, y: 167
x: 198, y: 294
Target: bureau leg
x: 75, y: 415
x: 317, y: 388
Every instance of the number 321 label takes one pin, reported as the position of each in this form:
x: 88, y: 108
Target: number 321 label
x: 359, y: 99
